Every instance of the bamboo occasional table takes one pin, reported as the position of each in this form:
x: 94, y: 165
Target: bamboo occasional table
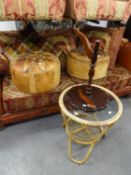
x: 87, y: 128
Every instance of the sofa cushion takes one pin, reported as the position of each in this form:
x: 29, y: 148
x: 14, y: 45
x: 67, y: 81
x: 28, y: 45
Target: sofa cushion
x: 31, y: 9
x: 4, y: 64
x: 6, y: 38
x: 116, y: 78
x: 15, y: 100
x: 58, y: 44
x: 99, y: 9
x: 7, y: 50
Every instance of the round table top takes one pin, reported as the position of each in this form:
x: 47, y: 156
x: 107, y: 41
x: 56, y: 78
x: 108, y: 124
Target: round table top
x: 106, y: 116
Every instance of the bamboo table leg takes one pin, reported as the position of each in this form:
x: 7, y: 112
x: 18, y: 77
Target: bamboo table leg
x: 70, y: 154
x: 89, y: 143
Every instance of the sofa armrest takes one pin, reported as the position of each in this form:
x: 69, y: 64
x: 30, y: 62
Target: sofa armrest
x: 1, y: 96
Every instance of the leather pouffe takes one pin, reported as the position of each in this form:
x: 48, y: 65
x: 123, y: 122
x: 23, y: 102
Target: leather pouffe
x: 78, y: 65
x: 36, y: 72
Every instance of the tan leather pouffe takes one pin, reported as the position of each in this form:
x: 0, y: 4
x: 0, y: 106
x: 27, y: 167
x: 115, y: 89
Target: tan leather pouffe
x: 78, y: 65
x: 36, y: 72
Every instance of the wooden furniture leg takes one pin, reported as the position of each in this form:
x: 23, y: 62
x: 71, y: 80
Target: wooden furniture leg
x: 11, y: 118
x: 2, y: 127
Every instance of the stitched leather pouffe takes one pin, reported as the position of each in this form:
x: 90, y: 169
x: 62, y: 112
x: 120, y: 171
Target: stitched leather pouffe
x: 36, y: 72
x: 78, y: 65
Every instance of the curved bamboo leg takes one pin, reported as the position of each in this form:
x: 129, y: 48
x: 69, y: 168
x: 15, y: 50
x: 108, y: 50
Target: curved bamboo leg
x: 106, y: 131
x: 64, y: 120
x: 89, y: 151
x: 104, y: 135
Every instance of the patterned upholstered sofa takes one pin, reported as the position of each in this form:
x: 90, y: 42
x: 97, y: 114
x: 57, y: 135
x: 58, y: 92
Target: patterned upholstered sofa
x: 99, y: 9
x: 54, y: 9
x: 31, y: 9
x: 16, y: 106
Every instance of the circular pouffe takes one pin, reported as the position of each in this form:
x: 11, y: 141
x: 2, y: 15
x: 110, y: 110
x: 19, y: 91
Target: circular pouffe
x: 36, y: 72
x: 78, y: 65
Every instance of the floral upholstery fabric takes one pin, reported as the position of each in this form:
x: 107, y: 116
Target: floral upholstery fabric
x: 31, y: 9
x: 15, y: 100
x: 60, y: 45
x: 4, y: 64
x: 117, y: 78
x: 6, y: 38
x: 13, y: 45
x: 99, y: 9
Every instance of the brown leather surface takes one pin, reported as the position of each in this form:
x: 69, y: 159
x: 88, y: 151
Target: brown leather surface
x: 124, y: 56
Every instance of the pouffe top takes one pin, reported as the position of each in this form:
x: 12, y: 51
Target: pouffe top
x: 36, y: 72
x: 27, y: 62
x: 79, y: 54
